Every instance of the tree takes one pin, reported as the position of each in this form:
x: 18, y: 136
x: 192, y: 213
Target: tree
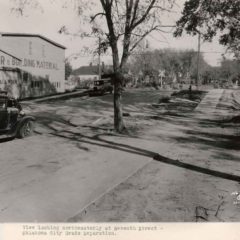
x: 121, y: 26
x: 180, y: 64
x: 68, y: 69
x: 229, y: 70
x: 129, y: 21
x: 210, y: 18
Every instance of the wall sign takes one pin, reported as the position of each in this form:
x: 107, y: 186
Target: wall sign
x: 13, y: 62
x: 10, y: 81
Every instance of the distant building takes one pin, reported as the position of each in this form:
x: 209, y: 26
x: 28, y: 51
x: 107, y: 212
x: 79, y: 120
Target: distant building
x: 87, y: 74
x: 31, y: 65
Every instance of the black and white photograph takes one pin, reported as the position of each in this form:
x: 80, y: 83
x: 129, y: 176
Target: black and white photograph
x: 119, y: 111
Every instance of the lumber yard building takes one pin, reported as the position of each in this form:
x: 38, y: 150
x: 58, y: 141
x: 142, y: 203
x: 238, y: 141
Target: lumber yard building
x: 31, y: 65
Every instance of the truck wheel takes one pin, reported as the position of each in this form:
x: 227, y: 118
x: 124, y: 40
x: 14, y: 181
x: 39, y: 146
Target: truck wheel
x: 26, y: 129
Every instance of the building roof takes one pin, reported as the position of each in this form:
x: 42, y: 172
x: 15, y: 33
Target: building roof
x: 5, y: 34
x: 86, y: 70
x: 10, y: 55
x: 93, y: 70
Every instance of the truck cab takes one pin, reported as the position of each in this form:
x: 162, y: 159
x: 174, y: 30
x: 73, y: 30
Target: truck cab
x: 13, y: 121
x: 101, y: 87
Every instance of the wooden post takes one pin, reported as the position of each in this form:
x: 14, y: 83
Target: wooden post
x: 99, y: 58
x: 198, y: 60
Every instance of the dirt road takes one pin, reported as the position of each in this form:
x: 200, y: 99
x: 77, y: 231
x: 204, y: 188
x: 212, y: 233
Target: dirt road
x: 72, y: 167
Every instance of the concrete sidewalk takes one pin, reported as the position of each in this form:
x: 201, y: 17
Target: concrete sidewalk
x: 207, y: 108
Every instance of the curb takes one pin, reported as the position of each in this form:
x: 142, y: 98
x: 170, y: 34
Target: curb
x: 57, y: 97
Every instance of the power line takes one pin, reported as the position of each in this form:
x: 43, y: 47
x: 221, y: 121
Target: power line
x: 144, y: 53
x: 213, y: 52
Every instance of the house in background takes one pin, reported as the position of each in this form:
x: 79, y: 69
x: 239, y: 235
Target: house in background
x: 86, y: 75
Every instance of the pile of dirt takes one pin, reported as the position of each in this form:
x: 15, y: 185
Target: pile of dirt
x: 193, y: 95
x: 178, y: 104
x: 183, y: 101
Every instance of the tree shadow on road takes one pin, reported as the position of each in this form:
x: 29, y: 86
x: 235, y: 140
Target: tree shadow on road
x: 70, y: 132
x: 98, y: 140
x: 211, y: 139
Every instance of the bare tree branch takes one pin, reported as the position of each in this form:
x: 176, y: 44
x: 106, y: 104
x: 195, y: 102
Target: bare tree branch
x: 144, y: 15
x: 135, y: 11
x: 98, y: 14
x: 141, y: 38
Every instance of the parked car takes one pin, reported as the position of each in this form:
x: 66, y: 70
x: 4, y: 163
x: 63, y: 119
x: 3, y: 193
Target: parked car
x: 13, y: 120
x: 101, y: 87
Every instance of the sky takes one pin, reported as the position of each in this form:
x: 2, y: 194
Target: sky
x: 50, y: 16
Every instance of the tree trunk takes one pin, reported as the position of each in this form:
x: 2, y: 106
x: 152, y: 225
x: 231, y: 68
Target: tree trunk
x: 118, y: 78
x: 118, y: 117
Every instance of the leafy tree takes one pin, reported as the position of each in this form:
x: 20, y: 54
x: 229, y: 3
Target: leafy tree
x: 68, y: 69
x: 174, y: 62
x: 210, y: 75
x: 229, y: 70
x: 211, y: 18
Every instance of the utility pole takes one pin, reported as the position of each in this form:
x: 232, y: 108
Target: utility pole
x: 198, y: 59
x: 99, y: 58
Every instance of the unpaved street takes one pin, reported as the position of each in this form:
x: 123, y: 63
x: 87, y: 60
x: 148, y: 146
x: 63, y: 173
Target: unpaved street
x: 172, y: 165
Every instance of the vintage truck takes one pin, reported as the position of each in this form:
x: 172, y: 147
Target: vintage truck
x: 13, y: 120
x: 101, y: 87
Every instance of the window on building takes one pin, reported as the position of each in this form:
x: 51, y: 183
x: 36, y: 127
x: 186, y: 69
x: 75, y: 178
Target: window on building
x: 36, y: 84
x: 30, y: 48
x: 30, y: 77
x: 25, y: 77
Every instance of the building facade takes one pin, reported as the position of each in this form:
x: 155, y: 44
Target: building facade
x: 31, y: 65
